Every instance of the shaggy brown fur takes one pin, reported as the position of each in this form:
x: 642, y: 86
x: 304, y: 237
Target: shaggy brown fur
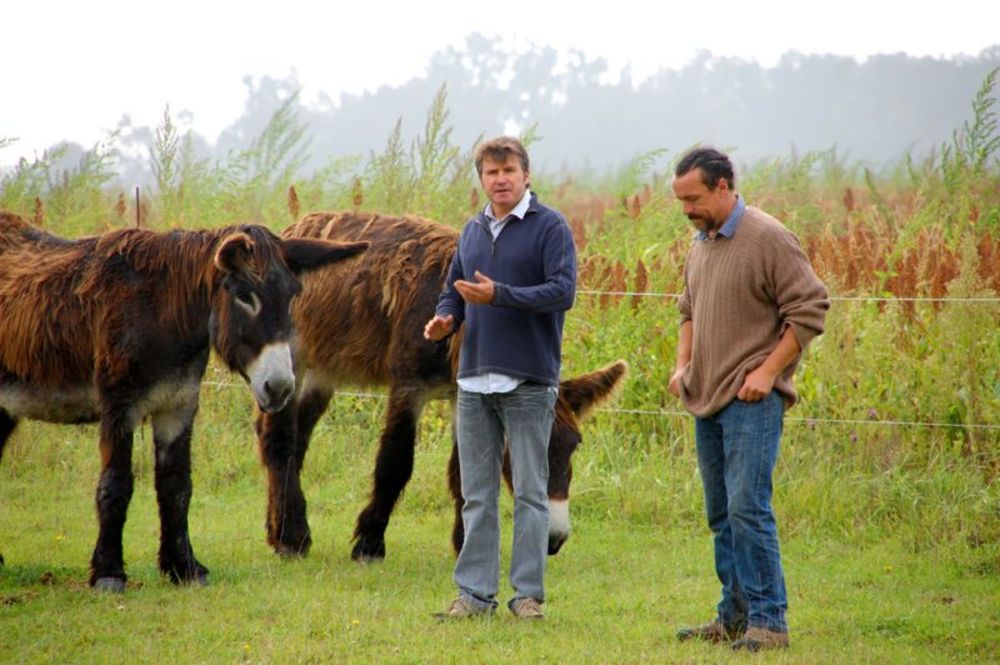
x: 118, y: 327
x: 52, y: 292
x: 363, y: 325
x: 370, y: 302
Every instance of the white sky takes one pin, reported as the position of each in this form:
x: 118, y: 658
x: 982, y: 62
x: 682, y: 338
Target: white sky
x: 70, y: 70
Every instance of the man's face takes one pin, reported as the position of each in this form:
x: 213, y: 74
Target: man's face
x: 706, y: 208
x: 504, y: 183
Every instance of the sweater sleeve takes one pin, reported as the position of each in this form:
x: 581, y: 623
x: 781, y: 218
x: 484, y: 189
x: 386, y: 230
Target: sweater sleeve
x: 558, y: 289
x: 450, y: 302
x: 684, y: 303
x: 801, y: 297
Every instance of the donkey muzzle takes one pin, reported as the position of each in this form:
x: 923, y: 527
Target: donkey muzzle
x: 272, y: 378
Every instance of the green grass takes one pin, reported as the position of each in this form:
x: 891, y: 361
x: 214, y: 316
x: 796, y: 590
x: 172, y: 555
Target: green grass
x: 637, y: 566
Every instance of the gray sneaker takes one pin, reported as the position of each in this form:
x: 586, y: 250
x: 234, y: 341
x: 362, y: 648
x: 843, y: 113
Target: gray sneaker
x: 463, y: 608
x: 714, y: 631
x: 526, y: 608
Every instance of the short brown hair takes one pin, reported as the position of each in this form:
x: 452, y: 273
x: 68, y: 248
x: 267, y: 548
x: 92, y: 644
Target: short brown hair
x: 498, y: 149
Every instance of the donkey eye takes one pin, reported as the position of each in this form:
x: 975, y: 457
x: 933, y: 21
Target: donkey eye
x: 248, y: 301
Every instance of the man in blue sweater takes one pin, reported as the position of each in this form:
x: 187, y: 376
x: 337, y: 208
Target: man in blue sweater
x: 511, y: 281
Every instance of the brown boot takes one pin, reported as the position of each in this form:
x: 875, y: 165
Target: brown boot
x: 714, y: 631
x: 759, y: 639
x: 526, y: 608
x: 463, y: 608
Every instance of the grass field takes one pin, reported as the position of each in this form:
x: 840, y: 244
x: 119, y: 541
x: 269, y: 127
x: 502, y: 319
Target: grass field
x: 635, y: 569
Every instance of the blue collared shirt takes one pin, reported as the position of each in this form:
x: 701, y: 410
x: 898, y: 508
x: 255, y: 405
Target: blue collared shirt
x: 732, y: 222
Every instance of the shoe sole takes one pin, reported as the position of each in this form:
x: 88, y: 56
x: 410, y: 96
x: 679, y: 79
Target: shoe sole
x: 444, y: 616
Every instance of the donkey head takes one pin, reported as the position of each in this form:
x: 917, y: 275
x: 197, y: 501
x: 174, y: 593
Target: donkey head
x: 577, y: 396
x: 251, y: 324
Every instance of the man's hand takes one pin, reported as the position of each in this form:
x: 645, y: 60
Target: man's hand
x: 757, y: 385
x: 480, y: 292
x: 439, y: 327
x: 675, y: 382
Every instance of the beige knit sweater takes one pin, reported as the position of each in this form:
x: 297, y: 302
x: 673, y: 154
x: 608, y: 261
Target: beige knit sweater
x: 740, y: 295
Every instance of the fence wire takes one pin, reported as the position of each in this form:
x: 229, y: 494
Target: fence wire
x: 863, y: 298
x: 663, y: 413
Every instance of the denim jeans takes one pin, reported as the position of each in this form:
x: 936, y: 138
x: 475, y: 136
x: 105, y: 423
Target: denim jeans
x: 737, y: 451
x: 525, y: 415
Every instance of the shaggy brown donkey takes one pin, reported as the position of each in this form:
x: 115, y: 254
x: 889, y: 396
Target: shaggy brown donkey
x: 118, y: 327
x: 363, y: 325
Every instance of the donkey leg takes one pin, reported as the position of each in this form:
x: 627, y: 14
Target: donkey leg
x: 455, y: 487
x: 114, y: 491
x: 287, y: 526
x: 287, y: 518
x: 393, y: 468
x: 311, y: 405
x: 7, y: 425
x: 172, y: 438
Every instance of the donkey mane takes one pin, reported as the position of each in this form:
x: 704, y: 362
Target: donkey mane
x: 400, y: 257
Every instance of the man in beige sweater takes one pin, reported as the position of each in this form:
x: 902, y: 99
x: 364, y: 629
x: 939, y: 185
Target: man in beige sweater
x: 751, y: 303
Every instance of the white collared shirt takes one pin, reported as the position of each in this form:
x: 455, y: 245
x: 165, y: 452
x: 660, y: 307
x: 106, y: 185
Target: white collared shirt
x: 496, y: 225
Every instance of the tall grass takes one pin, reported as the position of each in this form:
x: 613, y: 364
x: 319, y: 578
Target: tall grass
x: 73, y: 198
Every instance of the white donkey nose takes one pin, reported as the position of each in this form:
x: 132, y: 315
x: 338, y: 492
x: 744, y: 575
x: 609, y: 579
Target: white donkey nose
x: 272, y: 378
x: 279, y: 389
x: 558, y: 524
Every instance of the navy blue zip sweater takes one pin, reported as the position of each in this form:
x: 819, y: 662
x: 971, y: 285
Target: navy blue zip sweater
x: 533, y: 265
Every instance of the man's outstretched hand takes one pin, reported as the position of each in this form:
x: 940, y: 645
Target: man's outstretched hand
x: 439, y: 327
x: 479, y: 292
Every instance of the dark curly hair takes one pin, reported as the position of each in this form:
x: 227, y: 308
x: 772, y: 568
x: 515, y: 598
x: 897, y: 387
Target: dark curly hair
x: 713, y: 164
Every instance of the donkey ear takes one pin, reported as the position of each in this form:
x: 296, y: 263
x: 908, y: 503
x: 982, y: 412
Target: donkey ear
x: 235, y: 253
x: 303, y: 255
x: 584, y: 392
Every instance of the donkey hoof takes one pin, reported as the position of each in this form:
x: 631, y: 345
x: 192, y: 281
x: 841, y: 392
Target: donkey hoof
x: 110, y: 584
x: 364, y: 552
x: 290, y: 551
x: 195, y: 580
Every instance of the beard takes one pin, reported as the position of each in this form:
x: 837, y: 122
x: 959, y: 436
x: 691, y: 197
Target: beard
x: 704, y: 224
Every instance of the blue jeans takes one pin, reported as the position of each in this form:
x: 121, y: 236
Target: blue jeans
x: 525, y: 415
x: 737, y: 450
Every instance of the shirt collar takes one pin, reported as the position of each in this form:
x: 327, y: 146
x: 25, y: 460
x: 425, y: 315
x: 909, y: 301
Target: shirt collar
x: 519, y: 210
x: 728, y: 229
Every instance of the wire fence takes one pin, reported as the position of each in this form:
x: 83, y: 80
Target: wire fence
x: 810, y: 422
x: 928, y: 299
x: 815, y: 421
x: 665, y: 413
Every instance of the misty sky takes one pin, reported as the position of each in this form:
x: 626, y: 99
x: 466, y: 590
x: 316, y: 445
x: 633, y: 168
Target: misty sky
x: 71, y: 70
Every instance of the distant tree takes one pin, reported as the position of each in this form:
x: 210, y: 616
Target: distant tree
x: 872, y: 112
